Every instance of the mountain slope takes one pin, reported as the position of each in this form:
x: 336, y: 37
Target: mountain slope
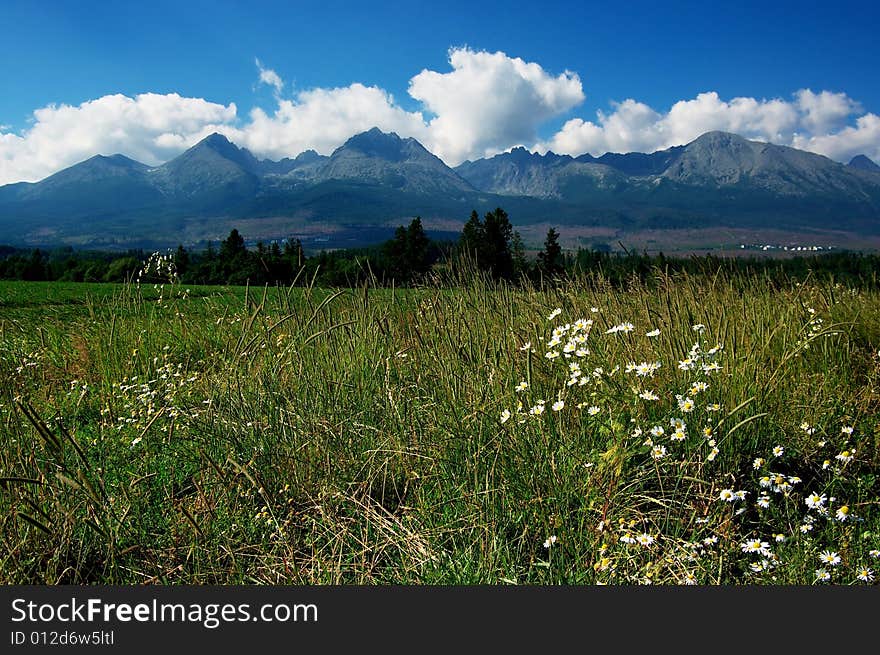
x: 386, y: 160
x: 723, y: 160
x: 97, y: 184
x: 863, y: 163
x: 214, y: 173
x: 377, y: 179
x: 521, y: 173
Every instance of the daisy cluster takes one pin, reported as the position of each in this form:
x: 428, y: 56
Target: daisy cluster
x: 826, y: 524
x: 676, y: 427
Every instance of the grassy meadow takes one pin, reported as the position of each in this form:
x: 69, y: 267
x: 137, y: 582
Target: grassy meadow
x: 686, y: 431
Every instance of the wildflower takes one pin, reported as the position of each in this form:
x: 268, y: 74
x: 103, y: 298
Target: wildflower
x: 658, y: 452
x: 842, y: 513
x: 627, y: 539
x: 593, y: 410
x: 711, y: 367
x: 713, y: 407
x: 829, y: 557
x: 594, y: 309
x: 826, y: 464
x: 865, y: 575
x: 686, y: 405
x: 581, y: 352
x: 763, y: 502
x: 847, y: 430
x: 647, y: 369
x: 728, y: 495
x: 806, y: 527
x: 710, y: 541
x: 699, y: 327
x: 522, y: 386
x: 712, y: 454
x: 653, y: 333
x: 758, y: 463
x: 678, y: 435
x: 874, y: 553
x: 845, y: 456
x: 779, y: 538
x: 556, y: 312
x: 555, y: 341
x: 537, y: 410
x: 822, y: 575
x: 505, y: 416
x: 657, y: 431
x: 558, y: 405
x: 527, y: 346
x: 690, y: 578
x: 756, y: 546
x: 740, y: 495
x: 686, y: 364
x: 777, y: 451
x: 551, y: 354
x: 645, y: 539
x: 550, y: 541
x: 649, y: 395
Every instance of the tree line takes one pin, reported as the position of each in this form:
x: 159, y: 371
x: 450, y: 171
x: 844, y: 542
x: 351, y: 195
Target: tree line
x: 487, y: 245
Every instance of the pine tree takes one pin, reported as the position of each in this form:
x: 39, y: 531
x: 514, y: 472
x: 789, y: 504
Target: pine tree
x: 472, y: 237
x: 518, y: 253
x: 396, y: 254
x: 417, y: 246
x: 551, y: 261
x: 181, y: 260
x: 498, y: 232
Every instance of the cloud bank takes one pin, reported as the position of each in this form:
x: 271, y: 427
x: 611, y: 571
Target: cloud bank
x: 811, y: 121
x: 486, y: 103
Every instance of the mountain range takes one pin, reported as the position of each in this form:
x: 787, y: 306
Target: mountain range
x: 376, y: 181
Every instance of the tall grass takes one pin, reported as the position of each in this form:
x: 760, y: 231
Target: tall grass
x: 306, y: 435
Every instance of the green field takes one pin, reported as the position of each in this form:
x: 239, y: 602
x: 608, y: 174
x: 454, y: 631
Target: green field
x: 297, y: 435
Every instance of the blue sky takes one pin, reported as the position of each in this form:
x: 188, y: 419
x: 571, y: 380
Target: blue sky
x: 652, y: 54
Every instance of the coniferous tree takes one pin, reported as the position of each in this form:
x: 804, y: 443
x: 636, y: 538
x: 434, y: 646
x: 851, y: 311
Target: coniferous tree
x: 181, y: 260
x: 293, y: 252
x: 551, y: 261
x: 472, y: 238
x: 498, y: 232
x: 518, y: 253
x: 396, y: 255
x: 417, y: 248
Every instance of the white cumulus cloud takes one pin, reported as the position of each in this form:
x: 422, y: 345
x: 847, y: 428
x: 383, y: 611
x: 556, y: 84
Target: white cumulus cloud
x: 843, y: 145
x: 150, y: 127
x: 490, y: 102
x: 810, y: 121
